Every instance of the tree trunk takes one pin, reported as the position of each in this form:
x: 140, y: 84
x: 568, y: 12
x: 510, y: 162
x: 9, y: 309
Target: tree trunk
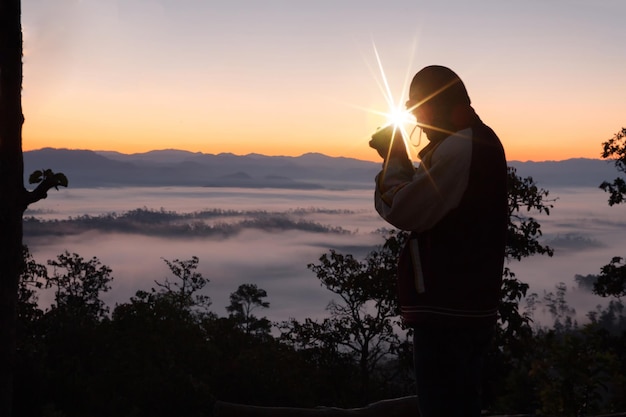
x: 12, y: 192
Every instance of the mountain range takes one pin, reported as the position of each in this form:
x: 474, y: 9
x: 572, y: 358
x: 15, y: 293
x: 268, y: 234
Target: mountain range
x: 87, y: 168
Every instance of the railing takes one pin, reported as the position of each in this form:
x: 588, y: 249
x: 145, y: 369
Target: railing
x: 396, y: 407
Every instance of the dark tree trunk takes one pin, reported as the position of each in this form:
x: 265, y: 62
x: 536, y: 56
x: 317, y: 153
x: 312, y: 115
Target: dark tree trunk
x: 12, y: 191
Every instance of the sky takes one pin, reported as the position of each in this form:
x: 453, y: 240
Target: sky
x: 288, y: 77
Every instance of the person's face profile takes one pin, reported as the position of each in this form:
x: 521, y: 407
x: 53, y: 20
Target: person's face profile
x: 422, y: 112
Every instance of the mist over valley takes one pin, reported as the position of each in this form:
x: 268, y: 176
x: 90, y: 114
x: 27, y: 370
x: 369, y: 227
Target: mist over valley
x: 260, y: 219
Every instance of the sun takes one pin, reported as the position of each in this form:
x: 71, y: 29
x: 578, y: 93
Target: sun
x: 398, y: 116
x: 396, y: 113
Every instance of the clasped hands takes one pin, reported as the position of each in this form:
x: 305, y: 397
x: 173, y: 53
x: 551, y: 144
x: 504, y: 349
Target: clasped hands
x: 388, y: 136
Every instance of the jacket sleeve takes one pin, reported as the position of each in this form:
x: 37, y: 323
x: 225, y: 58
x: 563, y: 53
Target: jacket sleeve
x: 416, y: 199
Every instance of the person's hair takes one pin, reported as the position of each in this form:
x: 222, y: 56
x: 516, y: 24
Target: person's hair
x: 439, y: 86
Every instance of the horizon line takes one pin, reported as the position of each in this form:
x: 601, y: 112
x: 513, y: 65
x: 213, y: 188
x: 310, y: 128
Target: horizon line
x: 274, y: 156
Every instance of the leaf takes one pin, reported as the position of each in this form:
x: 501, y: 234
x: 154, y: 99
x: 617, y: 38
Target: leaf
x: 36, y: 177
x: 61, y: 179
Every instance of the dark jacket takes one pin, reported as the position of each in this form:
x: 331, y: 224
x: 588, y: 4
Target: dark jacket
x: 450, y: 271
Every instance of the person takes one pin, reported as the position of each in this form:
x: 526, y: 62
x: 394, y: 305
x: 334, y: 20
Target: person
x: 454, y: 204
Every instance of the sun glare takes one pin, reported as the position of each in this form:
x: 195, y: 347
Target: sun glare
x: 399, y: 117
x: 396, y: 114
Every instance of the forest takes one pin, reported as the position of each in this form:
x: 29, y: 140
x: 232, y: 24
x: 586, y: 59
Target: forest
x: 165, y: 352
x: 205, y: 223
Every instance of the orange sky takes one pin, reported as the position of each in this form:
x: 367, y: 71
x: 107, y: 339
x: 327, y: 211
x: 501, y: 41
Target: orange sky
x: 135, y: 76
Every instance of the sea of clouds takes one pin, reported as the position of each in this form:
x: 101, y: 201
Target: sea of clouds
x: 584, y: 231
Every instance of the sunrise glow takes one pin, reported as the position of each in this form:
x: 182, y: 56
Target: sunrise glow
x: 134, y: 77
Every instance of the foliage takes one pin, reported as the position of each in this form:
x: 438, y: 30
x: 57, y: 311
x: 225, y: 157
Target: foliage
x: 29, y: 356
x: 567, y: 370
x: 32, y: 279
x: 560, y: 311
x: 523, y: 231
x: 65, y: 340
x: 362, y: 325
x: 170, y: 223
x: 47, y: 175
x: 183, y: 291
x: 77, y: 285
x: 247, y: 298
x: 523, y: 234
x: 157, y: 355
x: 507, y: 361
x: 615, y: 149
x: 572, y: 371
x: 612, y: 319
x: 163, y: 352
x: 514, y: 325
x: 612, y: 278
x: 585, y: 282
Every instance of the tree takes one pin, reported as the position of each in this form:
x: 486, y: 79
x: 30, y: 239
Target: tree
x: 571, y: 371
x: 247, y: 298
x: 161, y: 348
x: 523, y: 236
x: 78, y: 284
x: 508, y: 358
x: 615, y: 149
x: 612, y: 318
x: 612, y: 278
x: 362, y: 323
x: 30, y: 345
x: 32, y: 279
x: 183, y: 290
x: 14, y: 198
x: 70, y: 334
x: 561, y: 312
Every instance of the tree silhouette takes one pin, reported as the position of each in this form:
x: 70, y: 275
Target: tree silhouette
x: 246, y: 299
x: 183, y: 291
x: 524, y: 231
x: 78, y: 284
x: 612, y: 278
x: 363, y: 321
x: 14, y: 198
x: 615, y: 149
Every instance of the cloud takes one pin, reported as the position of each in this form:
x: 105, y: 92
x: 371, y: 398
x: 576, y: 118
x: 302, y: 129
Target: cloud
x: 573, y: 241
x: 276, y: 259
x: 276, y: 262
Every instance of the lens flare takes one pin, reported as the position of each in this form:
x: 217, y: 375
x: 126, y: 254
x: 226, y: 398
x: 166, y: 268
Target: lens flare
x: 396, y: 113
x: 399, y: 117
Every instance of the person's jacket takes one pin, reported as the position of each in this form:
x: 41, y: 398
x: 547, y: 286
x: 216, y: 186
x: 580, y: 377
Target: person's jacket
x: 455, y: 206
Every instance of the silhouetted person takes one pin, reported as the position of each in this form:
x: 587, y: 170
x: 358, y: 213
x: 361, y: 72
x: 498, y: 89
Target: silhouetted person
x: 450, y: 271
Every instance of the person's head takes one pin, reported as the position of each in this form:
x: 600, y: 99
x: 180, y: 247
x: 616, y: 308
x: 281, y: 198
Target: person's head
x: 439, y: 101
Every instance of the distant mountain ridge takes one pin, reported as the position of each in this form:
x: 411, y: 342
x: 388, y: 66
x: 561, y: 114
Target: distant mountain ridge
x: 171, y: 167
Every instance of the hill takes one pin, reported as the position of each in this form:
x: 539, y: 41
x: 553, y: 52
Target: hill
x: 86, y: 168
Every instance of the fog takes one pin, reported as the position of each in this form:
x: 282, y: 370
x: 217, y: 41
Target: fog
x: 584, y: 231
x: 276, y: 261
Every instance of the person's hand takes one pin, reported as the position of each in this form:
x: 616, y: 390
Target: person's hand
x: 381, y: 140
x: 389, y: 136
x: 398, y: 146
